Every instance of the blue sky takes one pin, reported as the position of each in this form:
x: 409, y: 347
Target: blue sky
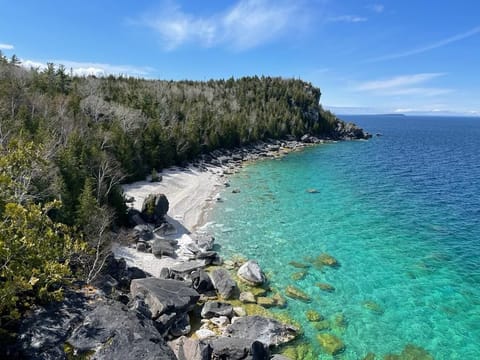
x: 411, y: 56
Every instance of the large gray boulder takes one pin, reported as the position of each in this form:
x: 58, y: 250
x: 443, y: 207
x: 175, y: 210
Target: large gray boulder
x: 215, y: 309
x: 154, y: 208
x: 223, y: 283
x: 112, y: 332
x: 269, y: 331
x: 226, y: 348
x: 190, y: 349
x: 43, y: 333
x: 164, y: 296
x: 251, y: 273
x: 163, y: 247
x: 201, y: 281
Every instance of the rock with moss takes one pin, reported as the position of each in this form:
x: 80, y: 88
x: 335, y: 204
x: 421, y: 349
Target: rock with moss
x: 280, y: 301
x: 154, y: 208
x: 410, y: 352
x: 295, y: 293
x: 325, y: 259
x: 330, y: 343
x: 340, y: 321
x: 313, y: 316
x: 323, y: 325
x: 300, y: 351
x: 299, y: 275
x: 266, y: 302
x: 325, y: 287
x: 373, y: 307
x: 258, y: 291
x: 369, y: 356
x: 299, y: 265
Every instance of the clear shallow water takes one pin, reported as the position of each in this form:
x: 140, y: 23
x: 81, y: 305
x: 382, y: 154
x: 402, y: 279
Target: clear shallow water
x: 401, y: 213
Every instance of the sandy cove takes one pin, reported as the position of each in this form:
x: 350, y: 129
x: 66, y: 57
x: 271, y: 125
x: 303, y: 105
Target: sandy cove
x: 191, y: 193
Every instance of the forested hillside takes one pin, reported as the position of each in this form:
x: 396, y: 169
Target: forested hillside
x: 68, y: 142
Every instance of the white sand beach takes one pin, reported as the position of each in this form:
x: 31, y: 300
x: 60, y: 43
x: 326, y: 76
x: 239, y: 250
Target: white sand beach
x: 191, y: 193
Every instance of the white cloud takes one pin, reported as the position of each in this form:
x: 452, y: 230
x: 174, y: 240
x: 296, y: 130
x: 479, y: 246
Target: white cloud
x: 377, y: 8
x: 397, y: 81
x: 249, y: 23
x: 6, y: 47
x: 348, y: 18
x: 404, y: 85
x: 91, y: 68
x: 432, y: 46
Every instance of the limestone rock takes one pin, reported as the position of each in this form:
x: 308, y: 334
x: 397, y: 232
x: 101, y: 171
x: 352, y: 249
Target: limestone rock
x: 162, y: 247
x: 112, y: 332
x: 330, y: 343
x: 251, y: 273
x: 247, y: 297
x: 238, y: 349
x: 164, y: 296
x: 216, y: 308
x: 325, y: 287
x: 190, y: 349
x: 266, y: 302
x: 295, y: 293
x: 223, y: 283
x: 269, y: 331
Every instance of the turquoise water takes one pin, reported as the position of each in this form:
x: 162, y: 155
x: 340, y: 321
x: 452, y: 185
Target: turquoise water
x: 400, y: 212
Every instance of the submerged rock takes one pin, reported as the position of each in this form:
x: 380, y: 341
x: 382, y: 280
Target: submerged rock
x: 325, y: 259
x: 299, y: 275
x: 266, y: 302
x: 251, y: 273
x: 325, y: 287
x: 410, y: 352
x: 322, y: 325
x: 330, y: 343
x: 313, y: 316
x: 247, y: 297
x: 269, y: 331
x: 299, y: 265
x: 373, y: 307
x: 295, y: 293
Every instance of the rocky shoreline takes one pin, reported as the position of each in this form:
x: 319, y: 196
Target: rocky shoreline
x: 196, y: 307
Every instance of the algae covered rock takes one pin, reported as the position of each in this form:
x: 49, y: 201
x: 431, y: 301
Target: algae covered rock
x: 299, y: 265
x: 300, y: 351
x: 313, y: 316
x: 325, y: 259
x: 266, y: 302
x: 299, y: 275
x: 373, y: 307
x: 322, y: 325
x: 410, y: 352
x: 330, y: 343
x: 295, y: 293
x: 325, y: 287
x: 247, y: 297
x: 279, y: 300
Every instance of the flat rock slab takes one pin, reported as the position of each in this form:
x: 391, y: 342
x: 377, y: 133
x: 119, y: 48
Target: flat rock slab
x: 164, y: 295
x: 187, y: 267
x: 110, y: 331
x: 269, y: 331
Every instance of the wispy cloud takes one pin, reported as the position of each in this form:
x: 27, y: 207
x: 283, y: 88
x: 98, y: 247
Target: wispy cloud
x: 377, y: 8
x: 91, y: 68
x: 404, y: 85
x: 6, y: 46
x: 348, y: 18
x: 247, y: 24
x: 434, y: 45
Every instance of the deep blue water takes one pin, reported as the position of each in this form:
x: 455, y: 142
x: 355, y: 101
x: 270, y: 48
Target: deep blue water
x: 400, y: 212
